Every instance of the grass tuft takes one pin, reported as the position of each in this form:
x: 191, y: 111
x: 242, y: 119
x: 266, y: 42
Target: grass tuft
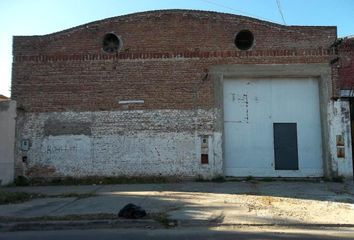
x: 91, y: 180
x: 163, y: 219
x: 17, y: 197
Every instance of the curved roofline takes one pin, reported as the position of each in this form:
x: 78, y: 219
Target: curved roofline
x: 186, y: 11
x: 137, y: 14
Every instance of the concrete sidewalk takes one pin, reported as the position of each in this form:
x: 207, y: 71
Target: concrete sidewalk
x: 197, y: 203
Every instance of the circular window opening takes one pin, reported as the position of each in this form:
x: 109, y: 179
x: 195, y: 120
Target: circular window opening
x: 111, y: 43
x: 244, y: 40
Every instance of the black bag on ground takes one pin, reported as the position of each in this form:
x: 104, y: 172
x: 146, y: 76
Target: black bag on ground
x: 132, y: 211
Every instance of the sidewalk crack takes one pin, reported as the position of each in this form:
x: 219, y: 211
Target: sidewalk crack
x: 65, y: 205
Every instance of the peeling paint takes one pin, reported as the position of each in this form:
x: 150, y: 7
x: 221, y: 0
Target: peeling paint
x: 123, y: 143
x: 41, y: 170
x: 340, y: 138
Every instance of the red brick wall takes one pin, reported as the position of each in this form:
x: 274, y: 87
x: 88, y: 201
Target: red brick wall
x: 346, y: 64
x: 164, y: 60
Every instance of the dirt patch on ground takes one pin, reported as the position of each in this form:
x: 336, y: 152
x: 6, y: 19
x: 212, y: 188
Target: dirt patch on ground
x: 297, y: 211
x: 252, y: 209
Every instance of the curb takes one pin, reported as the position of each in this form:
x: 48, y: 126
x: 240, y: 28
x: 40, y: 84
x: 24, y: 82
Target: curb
x: 145, y: 224
x: 78, y: 224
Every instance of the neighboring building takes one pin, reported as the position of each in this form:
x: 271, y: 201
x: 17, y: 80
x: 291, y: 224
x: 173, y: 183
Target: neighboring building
x: 7, y: 139
x: 181, y: 93
x: 4, y: 98
x: 345, y: 64
x: 345, y: 49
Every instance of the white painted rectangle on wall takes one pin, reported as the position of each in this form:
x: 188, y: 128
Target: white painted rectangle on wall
x: 70, y: 154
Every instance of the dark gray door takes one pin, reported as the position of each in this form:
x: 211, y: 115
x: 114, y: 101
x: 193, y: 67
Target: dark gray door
x: 285, y: 146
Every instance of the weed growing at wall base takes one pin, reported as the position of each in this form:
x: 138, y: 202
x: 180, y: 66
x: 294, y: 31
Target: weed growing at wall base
x: 93, y: 180
x: 17, y: 197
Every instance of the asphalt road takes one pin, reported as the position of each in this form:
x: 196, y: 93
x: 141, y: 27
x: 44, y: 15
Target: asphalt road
x: 253, y: 233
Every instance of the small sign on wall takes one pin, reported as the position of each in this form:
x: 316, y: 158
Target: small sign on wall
x: 340, y: 152
x: 25, y: 144
x: 340, y: 140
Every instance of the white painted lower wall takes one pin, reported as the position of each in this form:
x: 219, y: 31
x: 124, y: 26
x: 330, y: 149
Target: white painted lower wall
x: 147, y: 143
x: 125, y: 143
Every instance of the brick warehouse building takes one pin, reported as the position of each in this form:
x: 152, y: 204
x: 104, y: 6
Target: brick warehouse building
x: 181, y: 93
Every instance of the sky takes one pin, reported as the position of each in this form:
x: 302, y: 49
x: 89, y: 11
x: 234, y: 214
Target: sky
x: 38, y: 17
